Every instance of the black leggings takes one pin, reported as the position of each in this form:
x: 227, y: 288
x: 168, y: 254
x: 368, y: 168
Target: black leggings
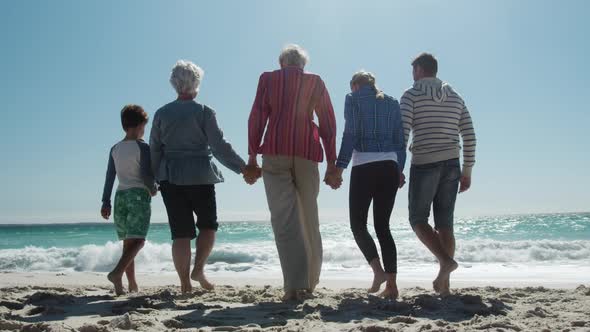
x: 377, y: 182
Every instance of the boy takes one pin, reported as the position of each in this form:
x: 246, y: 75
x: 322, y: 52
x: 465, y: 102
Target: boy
x: 130, y: 161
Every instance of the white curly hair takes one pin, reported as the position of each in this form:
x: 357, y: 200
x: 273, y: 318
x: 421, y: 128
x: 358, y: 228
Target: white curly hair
x: 293, y: 55
x: 186, y: 77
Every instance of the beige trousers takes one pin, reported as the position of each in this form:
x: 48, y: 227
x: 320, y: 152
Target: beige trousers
x: 292, y: 187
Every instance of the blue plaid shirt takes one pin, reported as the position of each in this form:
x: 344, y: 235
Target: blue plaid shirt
x: 372, y: 125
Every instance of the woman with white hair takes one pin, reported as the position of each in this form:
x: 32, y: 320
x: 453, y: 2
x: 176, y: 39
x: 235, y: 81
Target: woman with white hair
x: 283, y: 112
x: 184, y: 138
x: 374, y: 140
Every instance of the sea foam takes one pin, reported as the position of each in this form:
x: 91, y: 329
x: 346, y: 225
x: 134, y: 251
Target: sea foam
x: 262, y: 255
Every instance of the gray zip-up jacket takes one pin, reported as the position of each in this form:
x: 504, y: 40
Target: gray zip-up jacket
x: 184, y: 138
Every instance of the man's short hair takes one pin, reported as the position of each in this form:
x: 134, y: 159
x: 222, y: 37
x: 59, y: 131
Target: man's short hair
x: 132, y: 116
x: 427, y: 62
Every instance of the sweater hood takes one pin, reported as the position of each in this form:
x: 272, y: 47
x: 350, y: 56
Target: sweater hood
x: 434, y: 88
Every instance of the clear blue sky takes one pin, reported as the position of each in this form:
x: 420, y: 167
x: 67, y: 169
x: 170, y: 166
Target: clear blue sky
x: 67, y: 68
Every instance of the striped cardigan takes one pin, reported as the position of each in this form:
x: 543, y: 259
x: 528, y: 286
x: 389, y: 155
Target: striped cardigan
x: 436, y: 115
x: 284, y: 108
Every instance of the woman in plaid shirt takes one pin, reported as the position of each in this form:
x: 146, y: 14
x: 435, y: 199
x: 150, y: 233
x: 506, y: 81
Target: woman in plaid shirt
x: 374, y: 140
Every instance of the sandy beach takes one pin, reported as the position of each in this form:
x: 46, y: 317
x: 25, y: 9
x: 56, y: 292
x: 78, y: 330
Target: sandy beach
x: 85, y: 302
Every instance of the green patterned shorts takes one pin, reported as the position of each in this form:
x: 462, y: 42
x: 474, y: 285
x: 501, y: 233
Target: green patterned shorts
x: 132, y: 213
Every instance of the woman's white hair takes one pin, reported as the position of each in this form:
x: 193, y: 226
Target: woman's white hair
x: 186, y: 77
x: 293, y: 55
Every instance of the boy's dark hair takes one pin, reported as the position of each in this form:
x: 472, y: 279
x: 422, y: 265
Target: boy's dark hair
x: 132, y: 116
x: 427, y: 62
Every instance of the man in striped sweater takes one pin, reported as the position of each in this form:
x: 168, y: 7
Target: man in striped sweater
x: 436, y: 115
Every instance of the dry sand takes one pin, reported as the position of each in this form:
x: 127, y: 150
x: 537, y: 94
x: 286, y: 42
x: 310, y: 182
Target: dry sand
x: 76, y: 304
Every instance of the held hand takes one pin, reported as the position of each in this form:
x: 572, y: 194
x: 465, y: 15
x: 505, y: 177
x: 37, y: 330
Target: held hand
x: 105, y: 212
x: 251, y: 173
x: 333, y: 177
x: 154, y: 193
x: 465, y: 183
x: 333, y: 181
x: 402, y: 180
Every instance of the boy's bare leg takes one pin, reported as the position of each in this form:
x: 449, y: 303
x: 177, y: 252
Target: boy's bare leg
x: 130, y: 249
x: 205, y: 242
x: 379, y: 276
x: 447, y: 264
x: 181, y: 255
x: 130, y: 271
x: 447, y: 242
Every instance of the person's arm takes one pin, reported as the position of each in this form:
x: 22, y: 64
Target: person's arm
x: 327, y: 125
x: 467, y: 132
x: 145, y: 164
x: 109, y: 181
x: 407, y: 113
x: 346, y: 146
x: 221, y: 149
x: 155, y: 145
x: 257, y: 120
x: 401, y: 155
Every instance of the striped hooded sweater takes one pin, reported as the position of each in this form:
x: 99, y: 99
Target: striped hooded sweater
x: 436, y: 115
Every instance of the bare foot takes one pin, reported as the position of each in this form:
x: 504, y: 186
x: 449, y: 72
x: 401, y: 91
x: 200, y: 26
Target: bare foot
x: 199, y: 276
x: 378, y: 279
x: 289, y: 295
x: 446, y: 290
x: 186, y: 288
x: 117, y: 282
x: 440, y: 284
x: 133, y: 288
x: 391, y: 291
x: 303, y: 294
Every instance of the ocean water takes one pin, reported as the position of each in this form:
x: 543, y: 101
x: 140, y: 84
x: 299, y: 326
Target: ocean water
x: 513, y: 246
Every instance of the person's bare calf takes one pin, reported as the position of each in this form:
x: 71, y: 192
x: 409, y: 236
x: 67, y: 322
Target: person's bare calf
x: 132, y: 282
x: 205, y: 242
x: 181, y: 255
x: 446, y: 238
x: 446, y: 263
x: 130, y: 249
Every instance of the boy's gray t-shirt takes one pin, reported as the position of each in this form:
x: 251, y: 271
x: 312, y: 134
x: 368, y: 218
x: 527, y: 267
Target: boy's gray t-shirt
x: 129, y: 161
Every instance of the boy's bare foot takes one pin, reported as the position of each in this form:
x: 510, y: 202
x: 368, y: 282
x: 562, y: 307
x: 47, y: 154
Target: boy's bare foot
x: 199, y: 277
x: 442, y: 281
x: 117, y: 282
x: 378, y: 279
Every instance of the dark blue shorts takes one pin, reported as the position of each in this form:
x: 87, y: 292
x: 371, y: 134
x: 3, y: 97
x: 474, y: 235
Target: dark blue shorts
x: 435, y: 185
x: 183, y: 202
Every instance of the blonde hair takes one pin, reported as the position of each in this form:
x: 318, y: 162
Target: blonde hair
x: 363, y: 77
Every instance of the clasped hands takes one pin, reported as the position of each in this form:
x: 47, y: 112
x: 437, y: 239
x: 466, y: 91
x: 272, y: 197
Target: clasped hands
x: 251, y: 172
x: 333, y: 177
